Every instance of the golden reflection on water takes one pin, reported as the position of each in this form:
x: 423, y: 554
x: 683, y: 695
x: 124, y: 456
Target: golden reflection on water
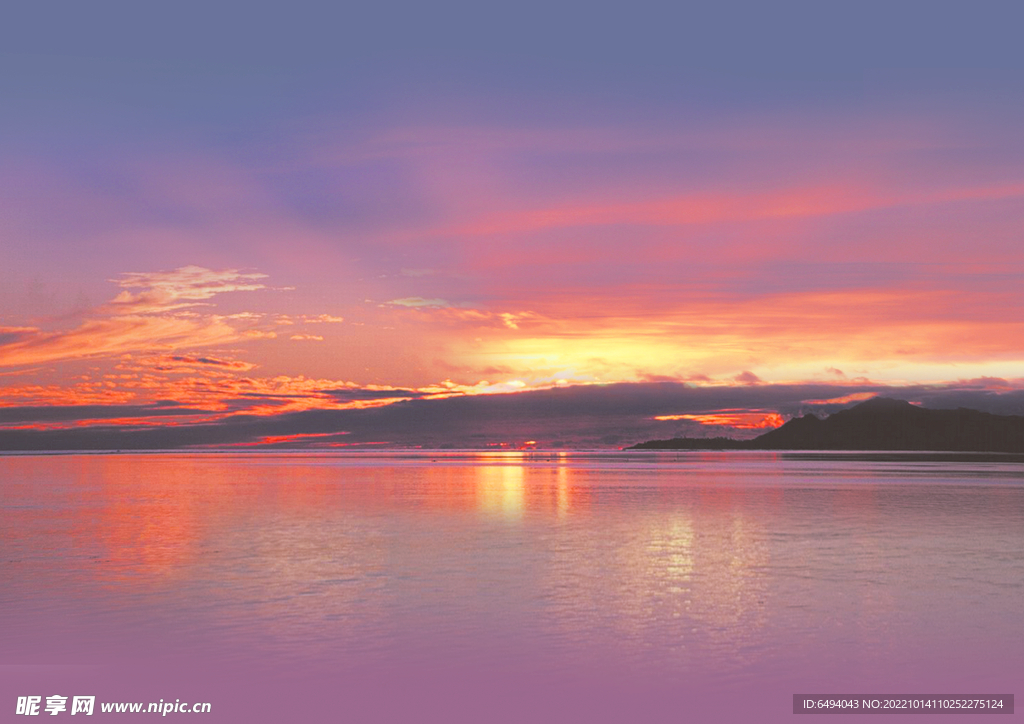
x: 501, y: 490
x: 563, y: 491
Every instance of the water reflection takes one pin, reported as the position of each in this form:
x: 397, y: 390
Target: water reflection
x: 501, y: 490
x: 694, y: 563
x: 147, y: 528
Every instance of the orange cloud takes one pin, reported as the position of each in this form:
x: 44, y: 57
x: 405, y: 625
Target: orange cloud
x: 148, y: 320
x: 109, y: 337
x: 752, y: 420
x: 81, y: 393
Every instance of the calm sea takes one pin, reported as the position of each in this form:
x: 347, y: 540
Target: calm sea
x: 508, y: 586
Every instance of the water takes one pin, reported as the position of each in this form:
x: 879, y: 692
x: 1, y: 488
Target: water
x: 509, y: 586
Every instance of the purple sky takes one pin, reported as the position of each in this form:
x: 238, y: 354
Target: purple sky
x: 224, y: 209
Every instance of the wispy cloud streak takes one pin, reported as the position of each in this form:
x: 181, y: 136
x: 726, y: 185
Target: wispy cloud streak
x: 149, y: 320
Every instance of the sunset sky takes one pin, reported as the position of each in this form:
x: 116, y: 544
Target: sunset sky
x: 579, y: 225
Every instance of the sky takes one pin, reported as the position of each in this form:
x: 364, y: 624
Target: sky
x: 552, y: 225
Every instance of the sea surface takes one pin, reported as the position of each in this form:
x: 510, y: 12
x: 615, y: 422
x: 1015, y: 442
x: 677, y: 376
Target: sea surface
x: 509, y: 586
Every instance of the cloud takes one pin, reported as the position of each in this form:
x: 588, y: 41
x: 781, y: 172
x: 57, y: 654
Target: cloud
x: 509, y: 320
x: 183, y: 363
x: 576, y: 416
x: 192, y: 282
x: 111, y: 337
x: 311, y: 440
x: 80, y: 413
x: 738, y: 419
x: 438, y: 310
x: 152, y: 319
x: 898, y: 335
x: 419, y: 302
x: 825, y: 199
x: 323, y: 319
x: 308, y: 319
x: 177, y: 289
x: 370, y: 393
x: 989, y: 383
x: 13, y: 335
x: 307, y: 337
x: 844, y: 399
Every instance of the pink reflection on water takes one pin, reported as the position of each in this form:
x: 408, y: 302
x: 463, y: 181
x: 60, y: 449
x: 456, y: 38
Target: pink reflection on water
x: 578, y: 580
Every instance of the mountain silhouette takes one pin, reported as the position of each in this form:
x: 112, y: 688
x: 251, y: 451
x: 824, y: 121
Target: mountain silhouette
x: 878, y: 424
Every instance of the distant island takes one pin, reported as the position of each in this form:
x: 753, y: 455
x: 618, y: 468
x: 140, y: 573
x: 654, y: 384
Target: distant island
x: 878, y: 424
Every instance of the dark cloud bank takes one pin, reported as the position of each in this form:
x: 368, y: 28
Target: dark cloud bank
x: 604, y: 416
